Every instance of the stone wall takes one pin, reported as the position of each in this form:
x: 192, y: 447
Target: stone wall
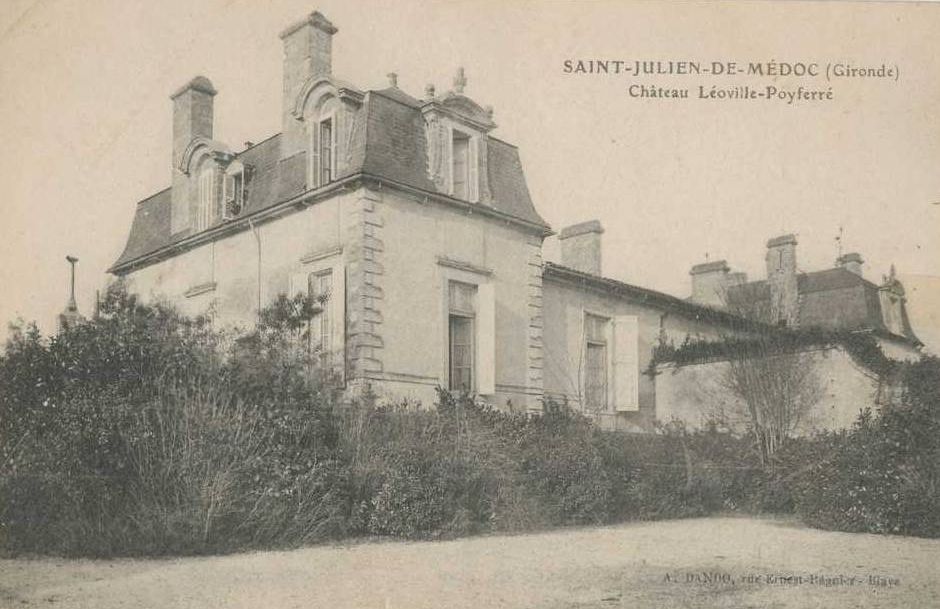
x: 697, y: 393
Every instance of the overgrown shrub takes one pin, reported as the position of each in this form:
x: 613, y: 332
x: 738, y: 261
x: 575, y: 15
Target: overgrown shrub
x: 142, y: 432
x: 883, y: 476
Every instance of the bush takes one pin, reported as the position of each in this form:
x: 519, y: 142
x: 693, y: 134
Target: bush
x: 883, y: 476
x: 142, y: 432
x: 135, y: 433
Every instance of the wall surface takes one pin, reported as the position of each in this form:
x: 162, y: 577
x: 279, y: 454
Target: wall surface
x: 565, y: 305
x: 424, y: 246
x: 223, y: 276
x: 697, y: 394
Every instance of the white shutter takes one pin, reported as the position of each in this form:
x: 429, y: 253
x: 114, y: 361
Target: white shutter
x: 228, y: 188
x: 626, y: 365
x: 228, y: 195
x: 338, y: 310
x: 297, y: 285
x: 486, y: 339
x: 314, y: 154
x: 449, y: 161
x: 473, y: 189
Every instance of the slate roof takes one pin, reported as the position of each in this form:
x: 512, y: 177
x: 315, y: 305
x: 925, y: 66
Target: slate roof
x: 833, y: 298
x: 650, y: 297
x: 388, y: 142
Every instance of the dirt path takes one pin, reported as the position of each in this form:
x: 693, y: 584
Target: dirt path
x: 688, y: 563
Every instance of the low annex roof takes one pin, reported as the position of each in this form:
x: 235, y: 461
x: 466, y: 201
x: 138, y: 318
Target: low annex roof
x: 649, y: 297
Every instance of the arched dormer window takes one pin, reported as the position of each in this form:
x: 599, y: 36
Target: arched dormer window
x: 323, y: 150
x: 205, y: 197
x: 322, y: 131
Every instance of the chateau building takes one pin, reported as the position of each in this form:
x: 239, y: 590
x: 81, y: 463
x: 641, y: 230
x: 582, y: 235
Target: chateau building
x: 415, y: 222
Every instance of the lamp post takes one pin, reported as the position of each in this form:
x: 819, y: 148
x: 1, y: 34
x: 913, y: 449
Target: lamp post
x: 70, y: 315
x: 72, y: 306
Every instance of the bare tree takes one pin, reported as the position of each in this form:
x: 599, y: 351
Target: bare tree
x: 777, y: 386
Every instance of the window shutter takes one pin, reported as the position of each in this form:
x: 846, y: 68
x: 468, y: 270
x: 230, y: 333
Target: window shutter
x: 314, y: 154
x: 473, y: 190
x: 449, y: 163
x: 297, y: 285
x: 626, y: 363
x: 486, y: 339
x: 338, y: 311
x: 228, y: 188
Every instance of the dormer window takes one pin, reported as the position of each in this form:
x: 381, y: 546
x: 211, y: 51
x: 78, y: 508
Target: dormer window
x: 233, y: 191
x: 322, y: 148
x: 464, y: 171
x: 461, y: 165
x: 206, y: 201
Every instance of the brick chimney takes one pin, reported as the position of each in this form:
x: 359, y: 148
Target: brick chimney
x: 709, y: 283
x: 851, y: 262
x: 581, y: 246
x: 308, y: 53
x: 782, y: 279
x: 192, y: 118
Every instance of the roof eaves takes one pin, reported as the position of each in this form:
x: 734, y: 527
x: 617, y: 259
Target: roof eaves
x: 649, y: 296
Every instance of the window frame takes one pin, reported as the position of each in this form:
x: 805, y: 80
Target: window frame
x: 603, y: 340
x: 462, y: 136
x: 234, y: 193
x: 467, y: 315
x: 324, y: 320
x: 316, y: 148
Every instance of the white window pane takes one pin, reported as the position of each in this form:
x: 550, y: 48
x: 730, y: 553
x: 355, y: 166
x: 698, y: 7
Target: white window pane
x: 461, y: 151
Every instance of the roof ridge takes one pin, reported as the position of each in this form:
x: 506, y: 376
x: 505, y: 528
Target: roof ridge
x: 154, y: 195
x: 256, y: 144
x: 382, y: 93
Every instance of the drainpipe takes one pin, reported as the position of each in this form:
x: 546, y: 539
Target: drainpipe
x: 257, y: 234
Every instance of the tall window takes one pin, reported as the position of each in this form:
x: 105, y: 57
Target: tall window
x: 206, y: 198
x: 322, y: 152
x: 461, y: 167
x: 460, y: 335
x: 320, y: 288
x: 595, y: 364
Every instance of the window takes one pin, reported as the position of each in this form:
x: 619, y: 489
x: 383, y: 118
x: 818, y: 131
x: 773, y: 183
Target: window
x: 460, y: 335
x: 595, y: 365
x: 234, y: 195
x: 206, y: 201
x: 461, y: 165
x: 322, y: 153
x: 320, y: 288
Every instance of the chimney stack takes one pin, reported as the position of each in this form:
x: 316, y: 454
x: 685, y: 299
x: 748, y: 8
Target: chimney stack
x: 581, y: 246
x: 192, y: 114
x: 851, y: 262
x: 709, y: 283
x: 192, y: 118
x: 308, y: 53
x: 781, y: 276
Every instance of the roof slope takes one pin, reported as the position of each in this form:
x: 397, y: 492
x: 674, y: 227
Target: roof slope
x: 387, y: 141
x: 649, y: 297
x: 832, y: 298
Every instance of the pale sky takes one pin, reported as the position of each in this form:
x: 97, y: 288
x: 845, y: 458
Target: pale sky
x: 85, y: 118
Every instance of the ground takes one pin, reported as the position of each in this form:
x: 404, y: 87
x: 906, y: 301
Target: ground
x: 682, y: 563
